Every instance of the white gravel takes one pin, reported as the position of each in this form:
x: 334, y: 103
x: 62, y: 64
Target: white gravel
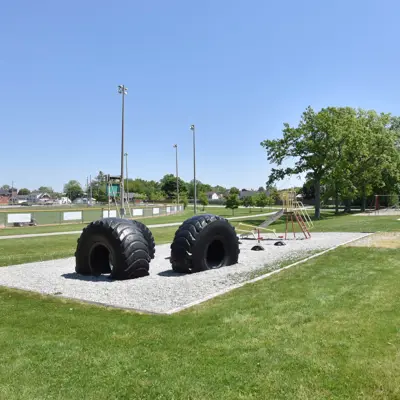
x: 163, y: 290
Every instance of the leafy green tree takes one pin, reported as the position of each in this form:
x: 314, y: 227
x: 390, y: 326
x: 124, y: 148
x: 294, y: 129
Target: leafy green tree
x: 24, y: 192
x: 219, y: 189
x: 184, y: 200
x: 375, y: 158
x: 99, y: 187
x: 313, y: 144
x: 57, y: 195
x: 168, y: 186
x: 203, y: 200
x: 73, y: 189
x: 232, y: 202
x: 261, y: 200
x: 234, y: 190
x: 155, y: 196
x: 6, y: 187
x: 248, y: 201
x: 273, y: 194
x: 205, y: 187
x: 45, y: 189
x: 200, y: 187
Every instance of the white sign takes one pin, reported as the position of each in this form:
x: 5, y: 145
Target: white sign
x: 168, y: 209
x: 156, y: 211
x: 137, y: 211
x: 111, y: 214
x: 18, y: 218
x: 72, y: 215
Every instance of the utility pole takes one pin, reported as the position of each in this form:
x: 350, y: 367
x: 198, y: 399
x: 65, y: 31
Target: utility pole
x: 91, y: 190
x: 177, y: 176
x: 192, y: 127
x: 122, y: 90
x: 127, y: 187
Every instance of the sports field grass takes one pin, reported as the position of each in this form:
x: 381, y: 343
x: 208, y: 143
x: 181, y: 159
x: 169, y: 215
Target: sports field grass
x: 330, y: 222
x: 148, y: 221
x: 18, y: 251
x: 326, y: 329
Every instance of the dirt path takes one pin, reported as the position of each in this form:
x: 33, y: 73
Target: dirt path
x: 387, y: 240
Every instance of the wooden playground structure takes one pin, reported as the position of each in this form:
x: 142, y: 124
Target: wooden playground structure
x: 294, y: 212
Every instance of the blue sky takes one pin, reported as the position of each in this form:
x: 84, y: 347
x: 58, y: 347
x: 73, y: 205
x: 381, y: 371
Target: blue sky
x: 236, y: 69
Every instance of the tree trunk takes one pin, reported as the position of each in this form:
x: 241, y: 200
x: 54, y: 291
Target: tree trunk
x: 337, y: 202
x: 363, y: 200
x: 317, y: 186
x: 363, y: 203
x: 347, y: 205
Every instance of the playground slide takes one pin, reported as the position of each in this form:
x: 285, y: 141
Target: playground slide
x: 271, y: 219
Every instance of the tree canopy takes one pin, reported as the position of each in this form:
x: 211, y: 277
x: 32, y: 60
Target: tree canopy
x: 73, y: 189
x: 350, y: 152
x: 232, y: 202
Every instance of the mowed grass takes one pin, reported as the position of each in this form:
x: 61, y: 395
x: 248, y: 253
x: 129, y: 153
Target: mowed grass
x: 18, y: 251
x: 327, y: 329
x: 148, y: 221
x: 330, y: 222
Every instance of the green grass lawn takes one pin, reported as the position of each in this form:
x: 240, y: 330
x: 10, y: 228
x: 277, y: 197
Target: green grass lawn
x: 148, y: 221
x: 338, y: 223
x: 53, y: 247
x: 327, y: 329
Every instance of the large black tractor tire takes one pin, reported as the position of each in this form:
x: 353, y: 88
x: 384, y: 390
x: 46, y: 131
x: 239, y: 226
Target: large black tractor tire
x: 148, y: 236
x: 204, y: 242
x: 115, y: 246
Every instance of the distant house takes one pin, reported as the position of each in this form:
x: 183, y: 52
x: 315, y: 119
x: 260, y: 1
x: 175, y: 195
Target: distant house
x: 84, y: 200
x: 38, y: 197
x: 249, y: 193
x: 19, y: 199
x: 7, y: 194
x: 63, y: 200
x: 134, y: 197
x: 213, y: 196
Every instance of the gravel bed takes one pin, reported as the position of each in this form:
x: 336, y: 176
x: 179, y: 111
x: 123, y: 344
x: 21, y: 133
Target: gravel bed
x: 163, y: 291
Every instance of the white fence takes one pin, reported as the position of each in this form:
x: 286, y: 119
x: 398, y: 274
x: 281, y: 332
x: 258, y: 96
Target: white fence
x: 51, y: 217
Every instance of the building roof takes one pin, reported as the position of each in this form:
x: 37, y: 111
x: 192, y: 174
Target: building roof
x: 7, y: 192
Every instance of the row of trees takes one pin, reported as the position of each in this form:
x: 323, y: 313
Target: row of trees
x: 25, y: 191
x: 165, y: 189
x: 259, y: 200
x: 152, y: 190
x: 346, y: 153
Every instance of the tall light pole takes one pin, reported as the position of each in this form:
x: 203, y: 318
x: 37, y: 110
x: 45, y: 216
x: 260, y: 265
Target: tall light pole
x: 192, y: 127
x: 177, y: 176
x: 87, y: 191
x: 91, y: 190
x: 122, y: 90
x: 127, y: 187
